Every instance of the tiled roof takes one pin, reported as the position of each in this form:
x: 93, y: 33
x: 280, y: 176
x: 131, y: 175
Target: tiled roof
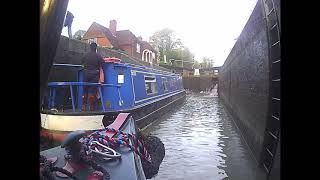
x: 108, y: 34
x: 146, y: 45
x: 125, y: 37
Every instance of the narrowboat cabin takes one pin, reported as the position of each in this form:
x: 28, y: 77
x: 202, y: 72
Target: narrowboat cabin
x: 144, y: 92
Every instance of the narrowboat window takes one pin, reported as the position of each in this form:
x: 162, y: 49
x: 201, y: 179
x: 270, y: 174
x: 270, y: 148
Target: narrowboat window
x: 120, y: 78
x: 165, y: 84
x: 151, y: 84
x: 171, y: 82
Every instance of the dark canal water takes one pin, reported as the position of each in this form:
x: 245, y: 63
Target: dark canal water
x: 202, y: 142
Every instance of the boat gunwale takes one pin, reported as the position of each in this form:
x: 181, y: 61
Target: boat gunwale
x: 49, y: 112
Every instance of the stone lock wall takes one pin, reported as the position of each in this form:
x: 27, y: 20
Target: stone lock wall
x: 244, y: 81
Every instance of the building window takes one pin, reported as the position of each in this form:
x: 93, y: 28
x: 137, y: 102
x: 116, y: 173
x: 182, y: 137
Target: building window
x: 165, y: 84
x: 150, y: 84
x: 138, y: 48
x: 91, y: 40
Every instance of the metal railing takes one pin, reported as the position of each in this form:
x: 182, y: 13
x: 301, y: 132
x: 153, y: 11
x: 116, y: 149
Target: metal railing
x: 76, y: 99
x: 54, y: 85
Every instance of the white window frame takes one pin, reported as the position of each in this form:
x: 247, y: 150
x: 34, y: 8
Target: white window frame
x: 138, y: 48
x: 153, y: 84
x: 165, y: 84
x: 93, y: 40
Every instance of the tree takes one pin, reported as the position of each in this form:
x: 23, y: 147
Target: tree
x: 187, y: 57
x: 79, y: 34
x: 206, y: 62
x: 196, y: 65
x: 179, y: 55
x: 165, y: 41
x: 78, y: 37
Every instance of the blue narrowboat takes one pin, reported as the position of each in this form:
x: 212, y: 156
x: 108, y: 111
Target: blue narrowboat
x: 144, y: 92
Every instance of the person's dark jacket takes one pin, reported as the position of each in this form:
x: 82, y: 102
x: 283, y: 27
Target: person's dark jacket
x: 92, y: 61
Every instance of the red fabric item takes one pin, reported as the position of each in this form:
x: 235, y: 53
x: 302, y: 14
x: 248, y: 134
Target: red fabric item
x: 101, y: 78
x: 96, y: 175
x: 112, y: 59
x: 72, y: 168
x: 52, y: 135
x: 52, y: 159
x: 121, y: 118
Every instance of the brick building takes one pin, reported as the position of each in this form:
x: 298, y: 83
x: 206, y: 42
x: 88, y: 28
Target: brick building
x: 123, y: 39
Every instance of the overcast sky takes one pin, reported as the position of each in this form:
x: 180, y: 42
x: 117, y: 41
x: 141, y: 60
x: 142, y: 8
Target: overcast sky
x: 207, y: 27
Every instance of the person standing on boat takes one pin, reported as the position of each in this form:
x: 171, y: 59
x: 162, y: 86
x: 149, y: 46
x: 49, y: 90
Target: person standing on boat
x: 91, y: 62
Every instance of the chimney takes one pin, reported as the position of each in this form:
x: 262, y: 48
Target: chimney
x: 140, y: 38
x: 113, y: 27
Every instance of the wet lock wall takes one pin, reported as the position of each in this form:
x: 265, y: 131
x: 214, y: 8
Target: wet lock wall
x: 244, y: 80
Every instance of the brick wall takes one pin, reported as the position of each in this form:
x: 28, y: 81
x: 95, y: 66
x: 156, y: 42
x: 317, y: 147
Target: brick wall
x: 103, y: 41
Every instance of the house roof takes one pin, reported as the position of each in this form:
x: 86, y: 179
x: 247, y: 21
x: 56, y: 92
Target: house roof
x: 146, y: 45
x: 107, y: 33
x: 125, y: 37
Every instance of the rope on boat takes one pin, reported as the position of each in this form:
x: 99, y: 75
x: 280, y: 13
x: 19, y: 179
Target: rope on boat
x: 124, y: 138
x: 152, y: 143
x: 81, y: 148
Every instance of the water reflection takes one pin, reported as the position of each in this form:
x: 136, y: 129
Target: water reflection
x: 203, y: 143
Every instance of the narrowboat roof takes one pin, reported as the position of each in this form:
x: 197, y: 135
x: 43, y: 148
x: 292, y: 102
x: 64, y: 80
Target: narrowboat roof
x: 163, y: 71
x: 123, y: 64
x: 137, y: 62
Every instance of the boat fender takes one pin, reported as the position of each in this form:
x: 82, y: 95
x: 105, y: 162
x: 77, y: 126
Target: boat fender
x: 72, y: 138
x: 156, y: 149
